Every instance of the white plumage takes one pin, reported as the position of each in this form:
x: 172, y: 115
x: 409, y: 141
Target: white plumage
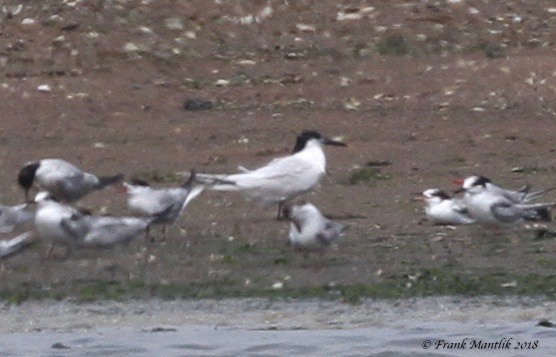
x: 310, y: 230
x: 441, y: 209
x: 63, y: 180
x: 284, y: 178
x: 491, y: 208
x: 13, y: 246
x: 14, y: 217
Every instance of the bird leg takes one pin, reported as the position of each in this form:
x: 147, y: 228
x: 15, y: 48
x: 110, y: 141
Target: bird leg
x: 280, y: 216
x: 164, y: 228
x: 148, y: 238
x: 49, y: 250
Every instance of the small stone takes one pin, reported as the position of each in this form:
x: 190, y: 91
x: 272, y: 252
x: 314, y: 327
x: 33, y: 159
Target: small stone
x: 173, y: 23
x: 278, y: 285
x: 12, y: 10
x: 247, y: 62
x: 195, y: 104
x: 545, y: 322
x: 510, y: 284
x: 131, y: 47
x: 305, y: 28
x: 44, y: 88
x: 59, y: 346
x: 222, y: 83
x: 70, y: 26
x: 348, y: 16
x: 28, y: 21
x: 191, y: 35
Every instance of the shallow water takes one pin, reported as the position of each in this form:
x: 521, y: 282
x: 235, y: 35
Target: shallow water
x: 258, y: 327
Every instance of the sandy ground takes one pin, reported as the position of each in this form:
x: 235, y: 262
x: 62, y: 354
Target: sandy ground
x: 437, y: 89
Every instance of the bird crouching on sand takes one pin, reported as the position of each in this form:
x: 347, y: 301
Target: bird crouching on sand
x: 309, y: 229
x: 443, y: 210
x: 9, y: 247
x: 104, y: 231
x: 493, y: 209
x: 15, y: 217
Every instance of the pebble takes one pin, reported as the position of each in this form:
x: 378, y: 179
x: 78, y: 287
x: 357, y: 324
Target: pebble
x: 44, y: 88
x: 28, y: 21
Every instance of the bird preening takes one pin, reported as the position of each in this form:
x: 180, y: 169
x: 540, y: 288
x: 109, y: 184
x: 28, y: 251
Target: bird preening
x: 279, y: 182
x: 63, y: 180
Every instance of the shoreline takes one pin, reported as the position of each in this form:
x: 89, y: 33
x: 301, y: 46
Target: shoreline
x: 269, y: 313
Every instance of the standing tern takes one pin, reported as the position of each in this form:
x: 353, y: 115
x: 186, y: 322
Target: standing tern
x: 283, y: 178
x: 309, y: 229
x: 494, y: 209
x: 147, y: 201
x: 15, y: 217
x: 12, y: 246
x: 441, y: 209
x: 64, y: 181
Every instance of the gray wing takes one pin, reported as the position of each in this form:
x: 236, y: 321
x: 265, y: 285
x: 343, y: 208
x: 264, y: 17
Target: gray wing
x: 77, y: 225
x: 15, y: 245
x: 507, y: 212
x: 113, y: 231
x: 71, y: 187
x: 332, y: 232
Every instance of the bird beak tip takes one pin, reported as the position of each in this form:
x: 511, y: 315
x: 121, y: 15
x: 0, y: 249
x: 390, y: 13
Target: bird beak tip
x: 334, y: 142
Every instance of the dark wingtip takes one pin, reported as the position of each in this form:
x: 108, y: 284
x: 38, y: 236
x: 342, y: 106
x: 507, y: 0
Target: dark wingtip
x: 110, y: 180
x: 543, y: 214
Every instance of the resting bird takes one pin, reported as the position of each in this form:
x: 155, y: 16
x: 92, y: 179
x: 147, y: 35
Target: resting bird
x: 441, y: 209
x: 64, y: 181
x: 15, y: 245
x: 283, y: 178
x: 523, y: 195
x: 490, y: 208
x: 104, y: 231
x: 309, y: 229
x: 14, y: 217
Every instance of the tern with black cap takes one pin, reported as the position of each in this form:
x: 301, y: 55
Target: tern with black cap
x: 283, y: 178
x: 63, y: 180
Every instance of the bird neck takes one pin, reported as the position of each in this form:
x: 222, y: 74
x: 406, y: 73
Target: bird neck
x: 314, y: 153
